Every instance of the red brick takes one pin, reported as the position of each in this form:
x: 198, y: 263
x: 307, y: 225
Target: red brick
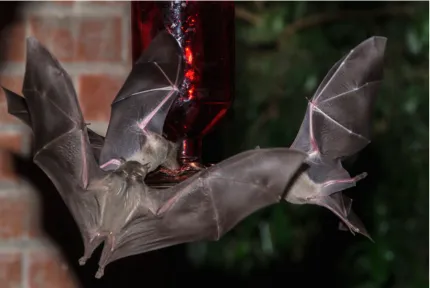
x: 10, y: 270
x: 96, y: 94
x: 56, y: 35
x: 5, y: 117
x: 11, y: 142
x: 35, y: 229
x: 7, y: 169
x: 15, y: 49
x: 118, y: 3
x: 95, y: 39
x: 64, y: 2
x: 14, y: 217
x: 49, y: 270
x: 100, y: 39
x: 129, y: 50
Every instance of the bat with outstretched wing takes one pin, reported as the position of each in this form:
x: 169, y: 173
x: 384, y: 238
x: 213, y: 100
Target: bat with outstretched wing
x: 138, y: 111
x: 336, y: 126
x: 114, y: 205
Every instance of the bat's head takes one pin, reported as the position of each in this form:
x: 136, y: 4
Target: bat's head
x: 133, y: 170
x: 153, y: 152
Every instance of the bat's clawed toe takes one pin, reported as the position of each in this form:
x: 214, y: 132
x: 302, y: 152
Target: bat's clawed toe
x: 100, y: 272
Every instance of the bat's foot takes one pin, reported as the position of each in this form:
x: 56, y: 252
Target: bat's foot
x: 100, y: 272
x: 106, y: 254
x: 164, y: 177
x: 192, y: 166
x: 188, y: 167
x: 83, y: 260
x: 348, y: 180
x: 333, y: 186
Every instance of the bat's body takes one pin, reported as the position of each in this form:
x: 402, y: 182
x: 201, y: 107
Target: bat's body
x: 211, y: 202
x: 111, y: 202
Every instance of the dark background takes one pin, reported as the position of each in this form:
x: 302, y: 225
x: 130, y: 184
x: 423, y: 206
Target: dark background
x: 283, y: 50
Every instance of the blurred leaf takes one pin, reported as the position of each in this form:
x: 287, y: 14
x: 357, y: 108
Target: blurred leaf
x: 414, y: 43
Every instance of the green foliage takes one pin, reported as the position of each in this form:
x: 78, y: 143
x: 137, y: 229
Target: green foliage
x: 279, y: 63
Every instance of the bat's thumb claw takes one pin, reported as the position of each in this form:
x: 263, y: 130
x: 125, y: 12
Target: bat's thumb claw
x: 100, y: 272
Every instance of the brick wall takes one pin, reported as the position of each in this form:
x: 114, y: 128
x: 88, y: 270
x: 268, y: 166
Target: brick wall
x: 92, y: 41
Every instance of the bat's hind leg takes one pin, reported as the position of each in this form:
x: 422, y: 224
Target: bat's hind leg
x: 90, y: 246
x: 108, y: 249
x: 335, y: 185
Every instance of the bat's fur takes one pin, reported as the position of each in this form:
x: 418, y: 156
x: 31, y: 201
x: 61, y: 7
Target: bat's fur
x: 302, y: 189
x: 157, y: 151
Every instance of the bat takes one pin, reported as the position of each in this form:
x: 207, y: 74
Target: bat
x: 145, y: 98
x: 337, y: 125
x: 141, y: 106
x: 114, y: 206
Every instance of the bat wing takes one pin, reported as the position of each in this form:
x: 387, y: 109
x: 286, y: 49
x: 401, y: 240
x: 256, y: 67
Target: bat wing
x: 96, y: 141
x: 337, y: 125
x: 61, y: 146
x: 209, y: 204
x: 338, y: 117
x: 142, y: 104
x: 17, y: 106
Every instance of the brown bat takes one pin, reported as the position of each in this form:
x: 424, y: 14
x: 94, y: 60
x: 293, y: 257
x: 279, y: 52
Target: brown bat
x: 114, y: 205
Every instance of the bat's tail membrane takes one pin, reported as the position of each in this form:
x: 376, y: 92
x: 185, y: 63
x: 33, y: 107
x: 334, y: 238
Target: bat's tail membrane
x: 340, y: 205
x: 322, y: 185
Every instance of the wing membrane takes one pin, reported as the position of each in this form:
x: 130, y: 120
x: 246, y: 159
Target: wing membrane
x: 143, y: 102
